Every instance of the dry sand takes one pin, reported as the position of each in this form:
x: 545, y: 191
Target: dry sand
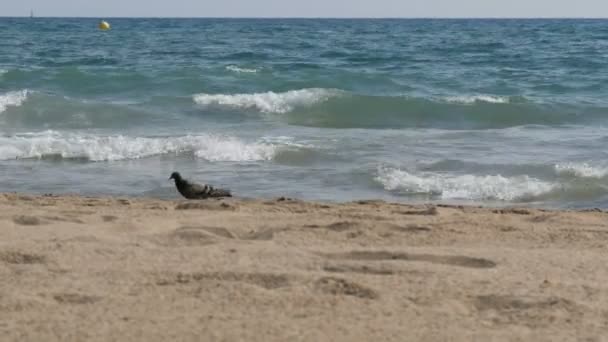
x: 103, y: 269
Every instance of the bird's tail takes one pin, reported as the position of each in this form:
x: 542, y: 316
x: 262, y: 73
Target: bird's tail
x: 221, y: 193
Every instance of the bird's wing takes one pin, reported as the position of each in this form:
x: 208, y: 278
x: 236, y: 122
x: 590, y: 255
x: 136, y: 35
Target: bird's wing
x: 200, y: 189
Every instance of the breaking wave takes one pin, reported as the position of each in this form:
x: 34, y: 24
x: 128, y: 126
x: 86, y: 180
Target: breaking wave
x: 463, y: 187
x: 268, y: 102
x: 237, y: 69
x: 52, y: 144
x: 12, y: 98
x: 478, y: 99
x: 581, y: 170
x: 334, y: 108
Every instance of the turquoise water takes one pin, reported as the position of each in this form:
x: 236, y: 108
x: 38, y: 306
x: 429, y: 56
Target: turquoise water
x: 472, y: 111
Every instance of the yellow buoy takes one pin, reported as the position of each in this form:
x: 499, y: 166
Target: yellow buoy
x: 104, y: 25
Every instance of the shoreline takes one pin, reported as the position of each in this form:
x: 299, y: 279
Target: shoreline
x: 103, y: 268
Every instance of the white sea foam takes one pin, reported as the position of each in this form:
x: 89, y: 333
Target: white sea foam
x: 288, y: 142
x: 12, y: 98
x: 478, y: 98
x: 109, y: 148
x: 467, y: 187
x: 582, y: 170
x: 269, y: 102
x: 237, y: 69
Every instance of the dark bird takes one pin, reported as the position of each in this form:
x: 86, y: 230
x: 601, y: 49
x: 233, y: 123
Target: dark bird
x: 197, y: 191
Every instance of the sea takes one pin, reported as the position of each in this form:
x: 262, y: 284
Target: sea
x: 471, y: 111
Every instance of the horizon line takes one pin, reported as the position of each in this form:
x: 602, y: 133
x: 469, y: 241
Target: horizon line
x: 292, y: 17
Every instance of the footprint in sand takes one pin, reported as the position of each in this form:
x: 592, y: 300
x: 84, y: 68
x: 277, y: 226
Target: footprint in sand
x: 75, y: 298
x: 452, y: 260
x: 109, y: 218
x: 261, y: 235
x: 265, y: 280
x: 26, y: 220
x: 191, y: 236
x: 529, y: 311
x: 17, y: 257
x: 343, y: 287
x: 219, y: 231
x: 363, y: 269
x: 429, y: 211
x: 195, y: 235
x: 410, y: 228
x: 339, y: 226
x: 204, y: 205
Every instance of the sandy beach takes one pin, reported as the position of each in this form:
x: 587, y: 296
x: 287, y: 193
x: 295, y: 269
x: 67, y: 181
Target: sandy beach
x: 101, y: 269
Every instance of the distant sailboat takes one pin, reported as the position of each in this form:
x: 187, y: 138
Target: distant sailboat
x: 31, y: 13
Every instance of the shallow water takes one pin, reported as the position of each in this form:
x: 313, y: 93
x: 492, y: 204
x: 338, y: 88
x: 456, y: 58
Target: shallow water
x: 472, y: 111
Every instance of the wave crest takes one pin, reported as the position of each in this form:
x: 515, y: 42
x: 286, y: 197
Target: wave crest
x: 12, y: 98
x: 238, y: 69
x: 268, y: 102
x: 463, y: 187
x: 335, y: 108
x: 582, y: 170
x: 111, y: 148
x: 478, y: 99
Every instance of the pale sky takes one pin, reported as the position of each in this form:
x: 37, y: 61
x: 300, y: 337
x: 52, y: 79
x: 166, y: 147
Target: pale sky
x: 307, y: 8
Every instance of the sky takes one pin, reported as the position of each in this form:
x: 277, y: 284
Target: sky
x: 307, y: 8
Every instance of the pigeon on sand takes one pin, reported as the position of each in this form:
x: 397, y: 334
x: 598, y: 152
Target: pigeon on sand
x: 196, y: 191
